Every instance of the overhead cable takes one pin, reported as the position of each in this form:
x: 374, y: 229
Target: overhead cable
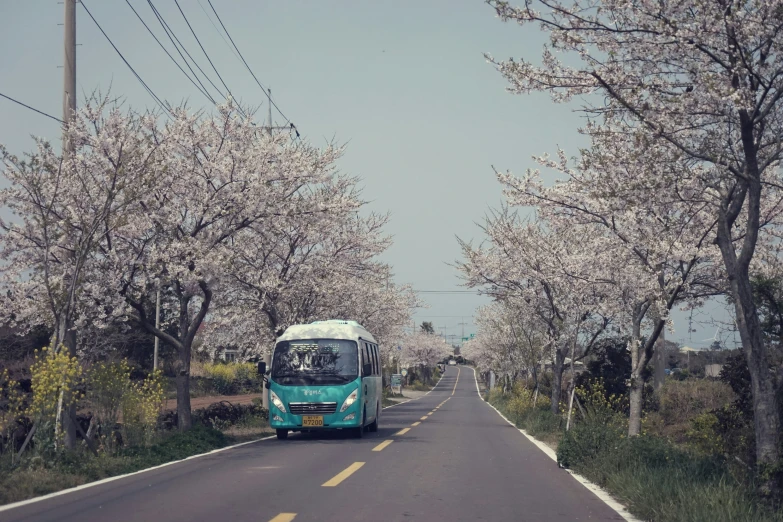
x: 147, y: 87
x: 31, y: 108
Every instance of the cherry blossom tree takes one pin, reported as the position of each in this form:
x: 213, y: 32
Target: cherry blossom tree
x: 315, y: 267
x: 63, y: 207
x: 220, y: 178
x: 424, y: 350
x: 550, y: 274
x: 706, y: 78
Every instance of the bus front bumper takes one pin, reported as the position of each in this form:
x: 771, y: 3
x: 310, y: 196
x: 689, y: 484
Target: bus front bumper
x: 287, y: 421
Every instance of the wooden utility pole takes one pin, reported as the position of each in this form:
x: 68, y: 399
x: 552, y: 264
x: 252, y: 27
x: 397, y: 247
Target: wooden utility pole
x: 69, y: 106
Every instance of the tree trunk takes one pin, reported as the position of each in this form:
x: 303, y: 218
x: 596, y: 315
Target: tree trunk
x: 660, y: 361
x: 182, y: 368
x: 557, y: 380
x: 766, y: 416
x: 69, y: 427
x: 636, y: 400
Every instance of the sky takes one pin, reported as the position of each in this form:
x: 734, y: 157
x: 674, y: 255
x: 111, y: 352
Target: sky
x: 405, y: 85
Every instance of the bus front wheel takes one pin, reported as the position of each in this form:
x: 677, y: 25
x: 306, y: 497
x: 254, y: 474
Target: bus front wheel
x: 373, y: 427
x: 359, y: 432
x: 282, y: 434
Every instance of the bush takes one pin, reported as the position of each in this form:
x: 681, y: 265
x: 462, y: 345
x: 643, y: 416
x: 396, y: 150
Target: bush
x: 231, y: 378
x: 658, y: 481
x: 684, y: 400
x: 223, y: 414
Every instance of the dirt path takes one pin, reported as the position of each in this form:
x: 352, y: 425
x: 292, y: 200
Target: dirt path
x: 198, y: 403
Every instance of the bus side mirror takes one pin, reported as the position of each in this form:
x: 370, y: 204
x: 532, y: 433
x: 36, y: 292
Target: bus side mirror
x: 367, y: 369
x: 261, y: 368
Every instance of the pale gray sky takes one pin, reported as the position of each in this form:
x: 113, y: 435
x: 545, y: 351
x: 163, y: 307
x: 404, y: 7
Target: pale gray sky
x: 404, y: 83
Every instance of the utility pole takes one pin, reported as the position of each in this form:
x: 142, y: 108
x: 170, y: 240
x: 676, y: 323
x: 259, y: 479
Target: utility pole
x: 157, y: 327
x: 269, y: 105
x: 69, y: 67
x: 659, y: 361
x: 69, y: 106
x: 270, y: 126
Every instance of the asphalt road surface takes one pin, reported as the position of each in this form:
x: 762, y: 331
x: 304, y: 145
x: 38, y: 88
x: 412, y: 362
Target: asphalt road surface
x: 445, y: 456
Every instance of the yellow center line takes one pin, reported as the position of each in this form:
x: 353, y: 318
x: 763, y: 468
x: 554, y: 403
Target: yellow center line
x: 424, y: 418
x: 455, y: 382
x: 284, y: 517
x: 433, y: 411
x: 416, y: 423
x: 382, y: 445
x: 403, y: 431
x: 344, y: 474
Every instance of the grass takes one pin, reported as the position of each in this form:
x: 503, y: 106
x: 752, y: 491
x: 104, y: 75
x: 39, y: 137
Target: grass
x: 659, y: 481
x: 652, y: 477
x: 38, y: 476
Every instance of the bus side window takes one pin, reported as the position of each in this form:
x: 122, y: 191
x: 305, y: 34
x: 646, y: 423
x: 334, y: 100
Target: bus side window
x: 377, y: 361
x: 365, y: 356
x: 374, y: 350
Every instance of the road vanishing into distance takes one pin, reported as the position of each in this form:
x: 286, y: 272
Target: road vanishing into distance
x: 445, y: 456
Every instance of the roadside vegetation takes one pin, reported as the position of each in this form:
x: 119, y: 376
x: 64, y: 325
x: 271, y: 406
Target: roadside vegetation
x: 691, y: 460
x: 121, y: 424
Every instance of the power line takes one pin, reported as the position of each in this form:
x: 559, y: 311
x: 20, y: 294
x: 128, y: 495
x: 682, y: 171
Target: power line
x: 206, y: 55
x: 246, y: 65
x: 172, y: 37
x: 31, y: 108
x: 218, y: 30
x: 200, y: 89
x: 126, y: 61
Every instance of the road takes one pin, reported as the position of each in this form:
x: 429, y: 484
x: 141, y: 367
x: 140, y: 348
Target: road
x: 445, y: 456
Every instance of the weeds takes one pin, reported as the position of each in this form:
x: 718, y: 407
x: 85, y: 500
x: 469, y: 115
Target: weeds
x: 655, y: 479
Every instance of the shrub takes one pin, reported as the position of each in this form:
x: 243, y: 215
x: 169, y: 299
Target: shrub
x: 55, y: 377
x: 683, y: 400
x: 11, y: 409
x: 223, y: 414
x: 141, y: 407
x: 107, y: 387
x: 703, y: 436
x: 230, y: 378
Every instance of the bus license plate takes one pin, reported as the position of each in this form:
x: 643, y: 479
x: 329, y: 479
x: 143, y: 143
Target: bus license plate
x: 312, y: 420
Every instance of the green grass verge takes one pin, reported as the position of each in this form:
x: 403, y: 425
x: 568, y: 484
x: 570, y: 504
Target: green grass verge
x: 37, y: 476
x: 654, y: 479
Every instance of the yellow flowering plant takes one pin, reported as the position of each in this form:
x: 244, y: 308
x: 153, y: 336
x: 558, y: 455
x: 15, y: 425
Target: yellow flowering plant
x: 141, y: 407
x: 11, y: 406
x: 55, y: 378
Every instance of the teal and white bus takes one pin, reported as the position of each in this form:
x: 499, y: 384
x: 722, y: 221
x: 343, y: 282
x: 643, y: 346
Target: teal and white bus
x: 324, y: 375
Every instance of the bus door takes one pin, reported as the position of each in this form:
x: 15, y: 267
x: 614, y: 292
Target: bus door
x: 370, y: 381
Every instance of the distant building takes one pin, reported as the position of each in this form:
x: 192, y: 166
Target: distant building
x: 712, y: 370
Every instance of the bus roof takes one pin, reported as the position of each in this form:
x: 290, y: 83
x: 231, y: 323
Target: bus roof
x: 331, y: 329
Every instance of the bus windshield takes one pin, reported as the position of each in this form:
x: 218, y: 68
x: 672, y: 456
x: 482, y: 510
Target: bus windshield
x: 310, y: 362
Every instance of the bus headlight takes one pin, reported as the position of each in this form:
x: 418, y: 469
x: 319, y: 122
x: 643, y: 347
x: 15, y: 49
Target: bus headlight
x: 276, y: 401
x: 350, y: 400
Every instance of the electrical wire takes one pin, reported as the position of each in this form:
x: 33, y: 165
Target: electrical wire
x: 199, y: 88
x: 206, y: 55
x: 249, y: 69
x: 31, y: 108
x: 149, y: 90
x: 177, y: 45
x: 218, y: 30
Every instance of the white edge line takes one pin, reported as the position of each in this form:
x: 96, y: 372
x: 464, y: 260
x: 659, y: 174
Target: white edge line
x: 549, y: 452
x: 417, y: 398
x: 436, y: 385
x: 393, y: 405
x: 118, y: 477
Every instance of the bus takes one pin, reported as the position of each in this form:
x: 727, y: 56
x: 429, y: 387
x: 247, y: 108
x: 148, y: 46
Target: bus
x: 324, y: 375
